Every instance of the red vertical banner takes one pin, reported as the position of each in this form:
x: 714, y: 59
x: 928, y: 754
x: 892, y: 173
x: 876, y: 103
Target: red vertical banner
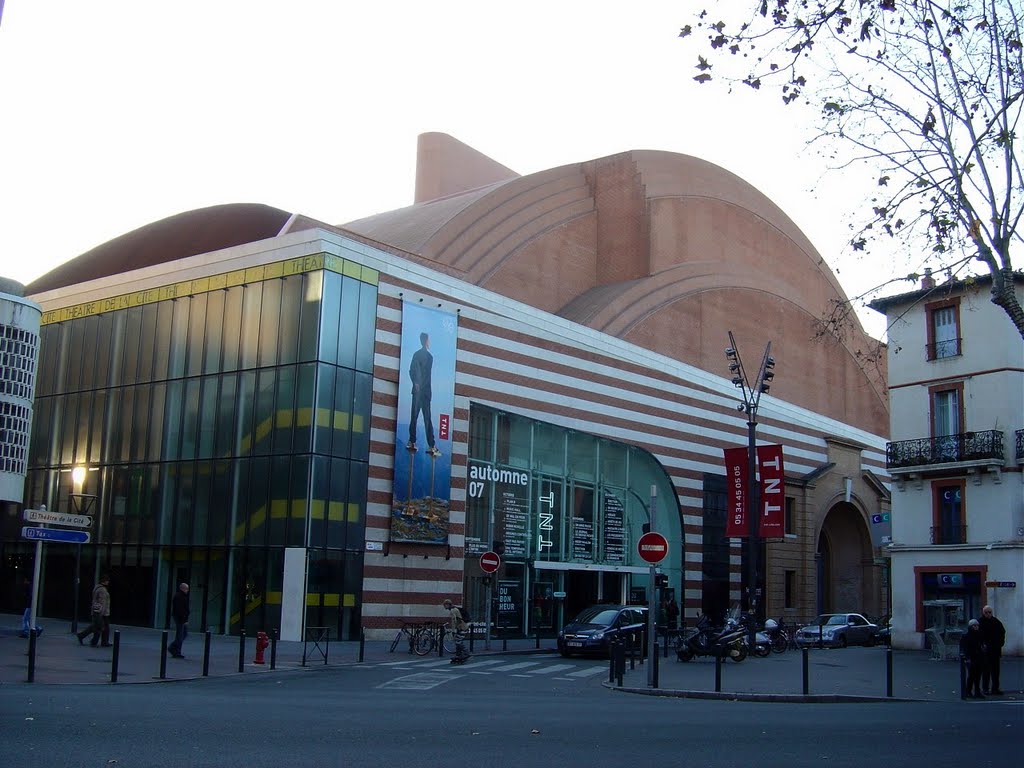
x: 773, y: 491
x: 736, y: 471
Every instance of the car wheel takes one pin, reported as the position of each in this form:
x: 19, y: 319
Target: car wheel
x: 871, y: 641
x: 565, y: 652
x: 842, y: 641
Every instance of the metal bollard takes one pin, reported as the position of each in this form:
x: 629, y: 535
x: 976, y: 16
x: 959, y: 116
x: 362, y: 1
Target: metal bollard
x: 611, y: 663
x: 241, y: 650
x: 115, y: 656
x: 504, y: 643
x: 888, y: 672
x: 963, y: 677
x: 470, y: 638
x: 621, y: 664
x: 440, y: 641
x: 206, y: 653
x: 32, y: 655
x: 718, y: 673
x: 632, y: 653
x: 163, y: 655
x: 655, y: 664
x: 807, y: 686
x: 362, y: 646
x: 538, y: 638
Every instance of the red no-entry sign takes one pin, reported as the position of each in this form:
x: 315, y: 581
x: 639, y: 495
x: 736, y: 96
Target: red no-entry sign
x: 489, y: 562
x: 652, y: 547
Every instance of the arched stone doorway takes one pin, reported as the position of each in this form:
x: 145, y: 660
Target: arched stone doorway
x: 846, y: 573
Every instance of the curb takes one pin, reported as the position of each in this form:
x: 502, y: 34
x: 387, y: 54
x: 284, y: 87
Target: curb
x: 786, y: 698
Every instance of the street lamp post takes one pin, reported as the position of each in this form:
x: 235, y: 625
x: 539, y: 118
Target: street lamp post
x: 751, y: 394
x: 80, y: 504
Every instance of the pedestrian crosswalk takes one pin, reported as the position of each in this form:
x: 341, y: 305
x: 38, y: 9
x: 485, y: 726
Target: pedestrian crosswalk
x: 431, y: 672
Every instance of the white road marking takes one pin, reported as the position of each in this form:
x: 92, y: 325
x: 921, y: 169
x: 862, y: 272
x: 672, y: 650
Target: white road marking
x: 421, y: 681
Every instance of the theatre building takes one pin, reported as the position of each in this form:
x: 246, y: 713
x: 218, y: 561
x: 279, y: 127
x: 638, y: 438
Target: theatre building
x: 321, y: 425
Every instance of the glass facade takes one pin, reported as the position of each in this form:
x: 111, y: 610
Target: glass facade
x: 564, y: 510
x: 222, y: 422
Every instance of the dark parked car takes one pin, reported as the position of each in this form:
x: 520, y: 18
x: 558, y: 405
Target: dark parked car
x: 884, y: 633
x: 837, y: 630
x: 595, y: 627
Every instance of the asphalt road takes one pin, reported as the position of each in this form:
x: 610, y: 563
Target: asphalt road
x: 397, y: 714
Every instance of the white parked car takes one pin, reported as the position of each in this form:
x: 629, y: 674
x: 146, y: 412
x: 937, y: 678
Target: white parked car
x: 837, y: 630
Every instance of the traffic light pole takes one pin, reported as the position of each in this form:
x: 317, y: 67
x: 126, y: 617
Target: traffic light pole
x: 652, y: 593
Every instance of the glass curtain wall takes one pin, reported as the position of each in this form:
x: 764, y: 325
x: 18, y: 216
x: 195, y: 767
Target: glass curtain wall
x: 219, y: 428
x: 564, y: 510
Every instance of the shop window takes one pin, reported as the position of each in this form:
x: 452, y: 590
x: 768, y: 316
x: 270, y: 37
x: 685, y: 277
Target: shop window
x: 948, y: 519
x: 943, y: 330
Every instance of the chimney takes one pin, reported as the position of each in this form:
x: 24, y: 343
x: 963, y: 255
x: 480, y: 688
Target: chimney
x: 927, y: 282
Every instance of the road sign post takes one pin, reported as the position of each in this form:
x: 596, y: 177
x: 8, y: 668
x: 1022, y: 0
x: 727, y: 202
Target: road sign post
x: 490, y: 562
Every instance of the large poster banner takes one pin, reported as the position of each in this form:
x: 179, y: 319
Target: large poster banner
x: 426, y: 400
x: 773, y: 491
x: 736, y: 471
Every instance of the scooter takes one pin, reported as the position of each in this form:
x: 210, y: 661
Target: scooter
x: 704, y: 640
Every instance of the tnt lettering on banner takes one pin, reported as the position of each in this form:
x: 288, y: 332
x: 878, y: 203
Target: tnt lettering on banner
x: 442, y: 426
x: 773, y: 491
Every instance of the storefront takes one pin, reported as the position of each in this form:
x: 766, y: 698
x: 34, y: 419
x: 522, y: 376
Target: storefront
x: 564, y: 510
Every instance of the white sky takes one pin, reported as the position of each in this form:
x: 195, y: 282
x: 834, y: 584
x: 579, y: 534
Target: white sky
x: 117, y: 113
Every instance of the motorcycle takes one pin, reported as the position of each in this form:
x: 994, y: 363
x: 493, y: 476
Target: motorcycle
x: 778, y: 638
x: 705, y: 640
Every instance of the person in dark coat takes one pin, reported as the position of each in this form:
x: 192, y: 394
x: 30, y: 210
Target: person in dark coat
x: 993, y: 635
x: 972, y: 651
x: 179, y: 612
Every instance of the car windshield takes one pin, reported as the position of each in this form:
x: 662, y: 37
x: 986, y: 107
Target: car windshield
x: 597, y: 615
x: 833, y: 619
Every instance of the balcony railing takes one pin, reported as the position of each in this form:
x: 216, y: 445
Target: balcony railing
x: 967, y: 446
x: 1020, y: 445
x: 939, y: 350
x: 949, y: 534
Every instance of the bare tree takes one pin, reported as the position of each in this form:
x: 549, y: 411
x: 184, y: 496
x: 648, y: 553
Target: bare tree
x: 928, y: 93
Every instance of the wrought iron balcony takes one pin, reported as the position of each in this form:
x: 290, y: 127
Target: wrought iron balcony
x: 939, y: 350
x: 981, y: 447
x: 1020, y: 445
x: 949, y: 534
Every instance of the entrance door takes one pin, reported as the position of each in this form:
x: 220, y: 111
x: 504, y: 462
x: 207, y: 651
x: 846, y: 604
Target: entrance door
x: 580, y: 591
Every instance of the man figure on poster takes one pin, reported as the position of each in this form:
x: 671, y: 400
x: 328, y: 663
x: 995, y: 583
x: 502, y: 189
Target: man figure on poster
x: 420, y: 372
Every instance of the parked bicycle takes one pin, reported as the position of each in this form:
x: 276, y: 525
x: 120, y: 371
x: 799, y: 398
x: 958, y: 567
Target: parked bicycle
x: 421, y: 637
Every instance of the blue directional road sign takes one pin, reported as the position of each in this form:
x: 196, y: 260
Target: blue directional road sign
x: 55, y: 534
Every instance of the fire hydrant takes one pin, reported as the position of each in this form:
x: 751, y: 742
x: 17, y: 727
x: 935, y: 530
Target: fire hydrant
x: 262, y: 642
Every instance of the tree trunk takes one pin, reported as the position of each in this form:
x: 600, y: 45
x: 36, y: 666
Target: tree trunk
x: 1003, y: 295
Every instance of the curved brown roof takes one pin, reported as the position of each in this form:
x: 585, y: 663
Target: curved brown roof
x: 176, y: 237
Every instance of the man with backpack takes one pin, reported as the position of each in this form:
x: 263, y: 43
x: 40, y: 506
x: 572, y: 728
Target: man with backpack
x: 458, y: 625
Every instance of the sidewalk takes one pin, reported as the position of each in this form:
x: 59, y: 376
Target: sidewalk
x: 847, y: 674
x: 60, y: 658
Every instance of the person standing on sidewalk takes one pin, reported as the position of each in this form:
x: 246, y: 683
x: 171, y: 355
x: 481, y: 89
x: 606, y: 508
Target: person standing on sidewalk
x: 26, y: 618
x: 972, y: 651
x: 100, y: 624
x: 993, y: 635
x: 458, y: 626
x: 179, y: 612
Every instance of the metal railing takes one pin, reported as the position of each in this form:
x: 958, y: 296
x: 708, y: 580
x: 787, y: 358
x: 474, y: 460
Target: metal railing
x: 1020, y: 445
x: 949, y: 534
x: 939, y: 350
x: 966, y: 446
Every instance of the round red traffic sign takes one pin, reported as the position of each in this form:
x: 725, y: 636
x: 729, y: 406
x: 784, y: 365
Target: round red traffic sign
x: 489, y: 562
x: 652, y: 547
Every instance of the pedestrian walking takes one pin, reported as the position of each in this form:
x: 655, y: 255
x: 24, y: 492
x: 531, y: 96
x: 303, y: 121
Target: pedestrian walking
x: 972, y: 652
x: 26, y: 617
x: 179, y: 612
x: 673, y: 615
x: 993, y: 635
x: 458, y: 626
x: 100, y: 611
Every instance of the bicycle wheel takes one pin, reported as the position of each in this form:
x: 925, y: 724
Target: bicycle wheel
x: 448, y: 643
x: 424, y: 642
x: 394, y: 643
x: 780, y: 642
